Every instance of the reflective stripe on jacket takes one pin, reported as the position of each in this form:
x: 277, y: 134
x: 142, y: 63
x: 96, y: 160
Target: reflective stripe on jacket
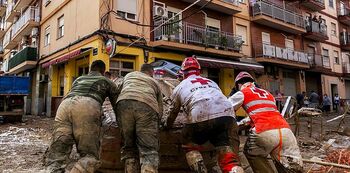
x: 262, y: 109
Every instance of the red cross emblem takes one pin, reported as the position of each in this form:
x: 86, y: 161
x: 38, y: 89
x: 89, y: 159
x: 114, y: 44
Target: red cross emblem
x: 201, y: 81
x: 260, y: 92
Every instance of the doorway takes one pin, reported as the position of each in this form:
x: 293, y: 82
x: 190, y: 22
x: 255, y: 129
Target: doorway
x: 334, y: 90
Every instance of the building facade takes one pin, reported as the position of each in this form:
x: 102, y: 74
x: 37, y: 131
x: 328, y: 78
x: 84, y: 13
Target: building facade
x: 19, y: 30
x: 74, y: 33
x: 299, y: 43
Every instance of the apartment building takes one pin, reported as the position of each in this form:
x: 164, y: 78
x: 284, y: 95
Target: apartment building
x: 344, y: 29
x: 19, y: 21
x: 74, y: 33
x: 298, y: 43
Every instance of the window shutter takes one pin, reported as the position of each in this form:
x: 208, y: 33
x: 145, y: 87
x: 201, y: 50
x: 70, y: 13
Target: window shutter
x: 242, y: 31
x: 128, y: 6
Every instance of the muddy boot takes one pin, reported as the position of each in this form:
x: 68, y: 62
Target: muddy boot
x: 195, y: 161
x: 148, y: 169
x: 132, y: 165
x: 86, y: 165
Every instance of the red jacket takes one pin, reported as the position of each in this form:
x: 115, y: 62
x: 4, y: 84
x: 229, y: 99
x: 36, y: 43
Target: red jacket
x: 262, y: 109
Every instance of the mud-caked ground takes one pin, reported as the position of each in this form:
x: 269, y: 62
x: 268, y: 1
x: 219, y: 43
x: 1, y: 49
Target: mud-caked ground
x: 22, y: 145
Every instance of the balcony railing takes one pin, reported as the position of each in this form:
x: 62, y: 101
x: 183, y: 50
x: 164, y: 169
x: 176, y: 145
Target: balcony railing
x: 188, y: 33
x: 344, y: 11
x: 32, y: 13
x: 9, y: 8
x: 279, y: 13
x: 316, y: 27
x: 314, y: 5
x: 7, y: 37
x: 268, y: 50
x: 26, y: 54
x: 318, y: 60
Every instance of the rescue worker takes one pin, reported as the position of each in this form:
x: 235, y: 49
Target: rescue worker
x: 78, y: 121
x: 140, y: 106
x: 210, y: 117
x: 270, y: 133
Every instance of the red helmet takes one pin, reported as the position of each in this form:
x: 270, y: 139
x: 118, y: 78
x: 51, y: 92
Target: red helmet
x: 242, y: 75
x: 190, y: 63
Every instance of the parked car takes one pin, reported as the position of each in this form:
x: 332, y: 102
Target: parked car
x: 164, y: 68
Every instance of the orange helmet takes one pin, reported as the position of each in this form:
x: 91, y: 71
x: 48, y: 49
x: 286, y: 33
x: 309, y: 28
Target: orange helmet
x: 190, y: 63
x: 243, y: 75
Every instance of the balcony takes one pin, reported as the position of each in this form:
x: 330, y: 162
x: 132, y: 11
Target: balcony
x: 10, y: 13
x: 344, y: 15
x: 316, y: 31
x: 23, y: 60
x: 191, y: 37
x: 319, y: 63
x: 25, y: 23
x: 267, y: 53
x: 277, y: 17
x: 313, y: 5
x: 345, y: 40
x: 3, y: 5
x: 20, y: 4
x: 8, y: 43
x: 225, y: 6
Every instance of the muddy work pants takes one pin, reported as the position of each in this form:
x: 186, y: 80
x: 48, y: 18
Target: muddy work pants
x: 281, y: 144
x: 78, y: 121
x: 139, y: 125
x: 222, y: 132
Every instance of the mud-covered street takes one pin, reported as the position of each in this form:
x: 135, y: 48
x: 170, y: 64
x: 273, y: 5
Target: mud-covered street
x: 23, y: 144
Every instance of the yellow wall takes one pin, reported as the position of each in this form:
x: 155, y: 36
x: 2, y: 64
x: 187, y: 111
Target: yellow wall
x: 226, y: 82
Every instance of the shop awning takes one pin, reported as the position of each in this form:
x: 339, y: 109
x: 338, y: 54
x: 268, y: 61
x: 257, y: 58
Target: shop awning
x: 219, y: 63
x: 66, y: 57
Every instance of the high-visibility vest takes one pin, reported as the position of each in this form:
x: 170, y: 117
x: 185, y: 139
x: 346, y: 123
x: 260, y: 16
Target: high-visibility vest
x: 261, y: 108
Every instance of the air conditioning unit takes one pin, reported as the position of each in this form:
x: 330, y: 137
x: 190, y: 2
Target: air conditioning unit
x: 35, y: 32
x: 159, y: 11
x: 44, y: 78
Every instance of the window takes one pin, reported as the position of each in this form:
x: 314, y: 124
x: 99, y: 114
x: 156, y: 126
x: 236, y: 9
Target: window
x: 336, y: 57
x: 242, y: 31
x: 121, y: 68
x: 60, y: 29
x: 126, y: 9
x: 266, y: 38
x: 213, y: 24
x: 331, y: 3
x: 176, y: 27
x: 325, y: 58
x: 289, y: 44
x: 47, y: 36
x: 333, y: 29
